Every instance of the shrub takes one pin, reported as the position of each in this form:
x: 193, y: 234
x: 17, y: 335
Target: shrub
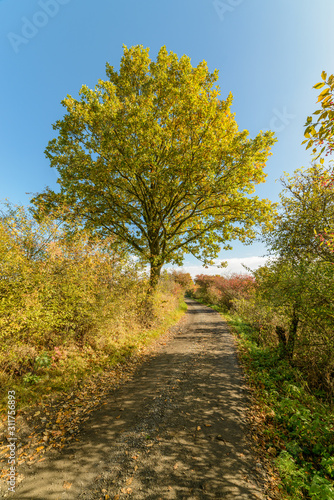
x: 184, y: 280
x: 64, y: 293
x: 294, y: 302
x: 221, y: 291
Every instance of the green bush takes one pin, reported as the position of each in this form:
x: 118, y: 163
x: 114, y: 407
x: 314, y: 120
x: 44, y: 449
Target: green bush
x: 299, y: 426
x: 69, y: 302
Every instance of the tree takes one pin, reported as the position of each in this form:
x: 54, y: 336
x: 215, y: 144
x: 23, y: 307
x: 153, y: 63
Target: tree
x: 153, y: 157
x: 298, y: 283
x: 280, y: 284
x: 320, y: 133
x: 301, y: 295
x: 306, y: 216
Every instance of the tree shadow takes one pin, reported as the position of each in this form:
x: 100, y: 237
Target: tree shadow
x: 180, y: 419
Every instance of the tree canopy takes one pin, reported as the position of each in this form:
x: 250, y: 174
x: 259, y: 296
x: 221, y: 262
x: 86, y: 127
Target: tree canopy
x: 319, y: 133
x: 155, y: 158
x: 305, y: 221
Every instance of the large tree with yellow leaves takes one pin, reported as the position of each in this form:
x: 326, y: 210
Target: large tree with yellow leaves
x: 154, y: 157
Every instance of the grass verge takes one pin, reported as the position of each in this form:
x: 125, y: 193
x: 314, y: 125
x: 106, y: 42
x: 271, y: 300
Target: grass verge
x: 294, y: 427
x: 77, y: 363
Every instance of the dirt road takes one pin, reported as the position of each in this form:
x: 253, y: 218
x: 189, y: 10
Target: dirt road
x: 175, y: 431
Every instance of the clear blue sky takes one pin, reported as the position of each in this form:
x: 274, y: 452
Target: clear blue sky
x: 269, y: 54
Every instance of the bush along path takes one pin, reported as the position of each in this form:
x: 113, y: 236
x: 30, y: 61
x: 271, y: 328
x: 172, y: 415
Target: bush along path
x: 290, y: 422
x: 175, y: 429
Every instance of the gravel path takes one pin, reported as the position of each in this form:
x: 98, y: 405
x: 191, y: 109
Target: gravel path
x: 175, y: 431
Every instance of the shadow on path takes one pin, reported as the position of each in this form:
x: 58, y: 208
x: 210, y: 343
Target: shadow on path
x: 176, y: 430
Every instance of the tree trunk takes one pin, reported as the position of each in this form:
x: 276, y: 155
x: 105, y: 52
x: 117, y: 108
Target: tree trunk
x: 292, y: 333
x: 287, y: 345
x: 280, y: 332
x: 149, y: 300
x: 155, y: 271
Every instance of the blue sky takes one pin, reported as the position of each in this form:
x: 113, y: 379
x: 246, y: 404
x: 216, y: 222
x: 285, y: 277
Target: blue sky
x: 269, y: 54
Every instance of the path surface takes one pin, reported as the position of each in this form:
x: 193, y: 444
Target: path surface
x: 175, y: 431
